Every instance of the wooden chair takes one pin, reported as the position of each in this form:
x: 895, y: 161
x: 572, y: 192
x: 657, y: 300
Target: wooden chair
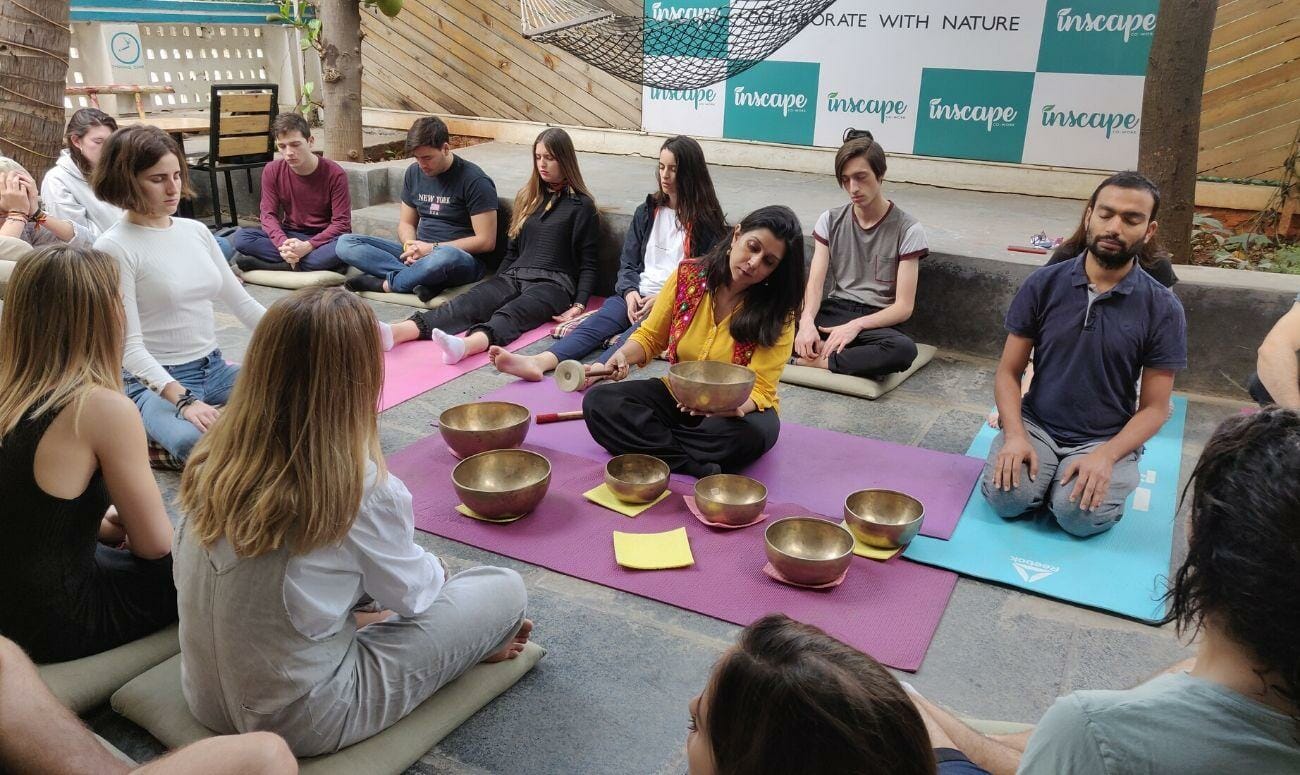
x: 240, y: 139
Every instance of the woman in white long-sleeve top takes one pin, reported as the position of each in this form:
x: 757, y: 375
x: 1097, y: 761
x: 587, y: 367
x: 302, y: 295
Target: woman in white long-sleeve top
x: 292, y: 525
x: 172, y: 270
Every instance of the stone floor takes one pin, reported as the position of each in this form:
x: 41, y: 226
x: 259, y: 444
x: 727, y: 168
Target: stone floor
x: 611, y: 695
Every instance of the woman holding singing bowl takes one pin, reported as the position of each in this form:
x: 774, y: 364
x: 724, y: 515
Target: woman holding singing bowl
x: 736, y: 304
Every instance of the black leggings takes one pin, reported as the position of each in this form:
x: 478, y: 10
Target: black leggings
x: 502, y: 308
x: 874, y: 352
x: 640, y: 415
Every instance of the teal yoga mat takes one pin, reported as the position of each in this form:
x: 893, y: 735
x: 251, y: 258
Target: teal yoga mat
x: 1122, y: 570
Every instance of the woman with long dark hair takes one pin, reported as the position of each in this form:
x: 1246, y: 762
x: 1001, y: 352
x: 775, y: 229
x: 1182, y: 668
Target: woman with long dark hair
x: 548, y: 272
x: 66, y: 191
x: 682, y: 218
x: 738, y: 304
x: 790, y: 698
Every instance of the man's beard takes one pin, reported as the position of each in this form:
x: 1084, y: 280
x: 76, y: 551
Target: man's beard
x: 1115, y: 259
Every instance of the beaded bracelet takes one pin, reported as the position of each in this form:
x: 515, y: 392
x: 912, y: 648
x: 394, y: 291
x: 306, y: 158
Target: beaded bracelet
x: 185, y: 400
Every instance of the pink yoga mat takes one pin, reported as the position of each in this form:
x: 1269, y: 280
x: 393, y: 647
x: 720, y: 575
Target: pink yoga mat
x: 416, y: 367
x: 811, y: 466
x: 889, y: 610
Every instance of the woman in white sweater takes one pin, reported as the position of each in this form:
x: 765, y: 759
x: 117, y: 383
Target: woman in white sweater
x: 65, y: 190
x: 172, y: 270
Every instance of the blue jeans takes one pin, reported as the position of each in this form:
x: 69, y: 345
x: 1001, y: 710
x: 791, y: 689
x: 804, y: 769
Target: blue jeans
x: 227, y: 249
x: 609, y: 320
x: 445, y: 267
x: 254, y: 242
x: 209, y: 378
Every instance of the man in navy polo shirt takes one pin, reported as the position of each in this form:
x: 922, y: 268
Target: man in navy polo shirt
x: 1094, y: 325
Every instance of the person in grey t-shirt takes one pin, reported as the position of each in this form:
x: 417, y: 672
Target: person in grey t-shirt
x: 870, y: 251
x: 1237, y: 709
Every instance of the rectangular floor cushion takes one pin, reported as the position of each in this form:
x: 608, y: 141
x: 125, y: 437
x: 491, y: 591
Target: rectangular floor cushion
x: 411, y: 300
x: 871, y: 389
x: 81, y: 684
x: 292, y: 281
x: 155, y: 702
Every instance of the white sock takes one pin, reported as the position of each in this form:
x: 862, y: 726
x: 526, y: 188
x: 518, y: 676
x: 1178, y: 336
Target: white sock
x: 386, y: 336
x: 453, y: 347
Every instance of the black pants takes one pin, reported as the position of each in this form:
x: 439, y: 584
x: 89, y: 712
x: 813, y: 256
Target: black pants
x: 873, y: 353
x: 503, y: 308
x: 640, y: 415
x: 1258, y: 391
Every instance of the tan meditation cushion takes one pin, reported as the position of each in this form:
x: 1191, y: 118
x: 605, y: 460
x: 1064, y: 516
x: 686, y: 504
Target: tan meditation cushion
x: 155, y: 702
x: 292, y: 281
x: 81, y: 684
x: 411, y: 300
x: 871, y: 389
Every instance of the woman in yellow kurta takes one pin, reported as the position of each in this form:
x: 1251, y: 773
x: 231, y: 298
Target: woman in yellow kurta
x: 736, y: 304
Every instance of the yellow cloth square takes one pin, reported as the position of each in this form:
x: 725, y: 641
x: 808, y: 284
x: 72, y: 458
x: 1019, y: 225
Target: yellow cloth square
x: 653, y: 551
x: 472, y: 514
x: 870, y: 552
x: 603, y: 496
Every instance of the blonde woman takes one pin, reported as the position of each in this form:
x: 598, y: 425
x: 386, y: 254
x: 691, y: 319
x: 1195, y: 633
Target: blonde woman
x: 292, y: 523
x: 71, y: 445
x: 549, y: 270
x: 172, y: 271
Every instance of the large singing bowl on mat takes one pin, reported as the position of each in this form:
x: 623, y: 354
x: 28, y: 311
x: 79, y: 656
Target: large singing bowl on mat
x: 885, y: 519
x: 502, y: 483
x: 483, y: 425
x: 636, y: 478
x: 730, y: 499
x: 710, y: 386
x: 807, y: 550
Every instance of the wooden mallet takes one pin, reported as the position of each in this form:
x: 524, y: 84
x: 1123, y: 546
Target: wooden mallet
x: 550, y: 417
x: 572, y: 375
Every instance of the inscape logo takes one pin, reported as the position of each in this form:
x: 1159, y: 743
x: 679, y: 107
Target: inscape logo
x: 989, y: 115
x: 1106, y: 122
x: 882, y: 109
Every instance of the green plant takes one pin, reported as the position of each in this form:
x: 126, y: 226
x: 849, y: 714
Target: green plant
x: 1286, y: 259
x: 307, y: 24
x: 307, y: 106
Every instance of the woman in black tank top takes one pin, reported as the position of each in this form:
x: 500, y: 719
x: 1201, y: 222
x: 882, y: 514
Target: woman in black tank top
x: 67, y: 437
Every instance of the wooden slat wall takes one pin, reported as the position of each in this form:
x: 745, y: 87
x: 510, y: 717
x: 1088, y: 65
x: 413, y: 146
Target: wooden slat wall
x: 467, y: 57
x: 1250, y: 113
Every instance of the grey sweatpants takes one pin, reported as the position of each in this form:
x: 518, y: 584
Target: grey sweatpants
x: 397, y: 664
x: 1047, y: 489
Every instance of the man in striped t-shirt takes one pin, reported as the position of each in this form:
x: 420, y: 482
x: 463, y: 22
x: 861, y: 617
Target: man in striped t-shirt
x: 870, y: 250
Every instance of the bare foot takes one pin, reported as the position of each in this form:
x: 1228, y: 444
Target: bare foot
x: 516, y: 645
x: 522, y: 366
x: 370, y: 617
x: 994, y: 419
x: 816, y: 363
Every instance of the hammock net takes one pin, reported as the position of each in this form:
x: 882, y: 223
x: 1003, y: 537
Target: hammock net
x: 668, y: 46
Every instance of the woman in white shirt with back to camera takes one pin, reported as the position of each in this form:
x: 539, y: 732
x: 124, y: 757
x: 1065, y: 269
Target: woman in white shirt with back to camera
x: 172, y: 271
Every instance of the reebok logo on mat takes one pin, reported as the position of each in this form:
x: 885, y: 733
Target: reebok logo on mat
x: 1031, y: 571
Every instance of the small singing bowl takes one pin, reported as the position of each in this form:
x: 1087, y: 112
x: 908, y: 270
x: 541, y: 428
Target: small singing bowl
x: 484, y: 425
x: 502, y: 483
x: 710, y: 386
x: 807, y: 550
x: 885, y: 519
x: 730, y: 499
x: 636, y: 478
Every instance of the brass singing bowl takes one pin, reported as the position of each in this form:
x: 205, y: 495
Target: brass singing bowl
x: 730, y: 499
x: 502, y: 483
x: 807, y: 550
x: 885, y: 519
x: 484, y: 425
x: 710, y: 386
x: 636, y: 478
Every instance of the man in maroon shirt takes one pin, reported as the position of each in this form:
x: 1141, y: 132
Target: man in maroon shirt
x: 305, y: 206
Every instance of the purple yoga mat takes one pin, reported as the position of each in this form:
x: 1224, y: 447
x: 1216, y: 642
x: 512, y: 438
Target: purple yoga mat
x: 812, y: 466
x: 889, y: 610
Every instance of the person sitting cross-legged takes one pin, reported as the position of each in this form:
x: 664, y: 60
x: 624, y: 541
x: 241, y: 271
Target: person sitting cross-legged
x: 1275, y: 381
x: 1094, y: 324
x: 447, y: 223
x: 1236, y: 706
x: 306, y: 206
x: 872, y: 251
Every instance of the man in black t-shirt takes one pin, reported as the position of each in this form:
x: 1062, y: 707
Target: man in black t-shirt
x: 448, y: 219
